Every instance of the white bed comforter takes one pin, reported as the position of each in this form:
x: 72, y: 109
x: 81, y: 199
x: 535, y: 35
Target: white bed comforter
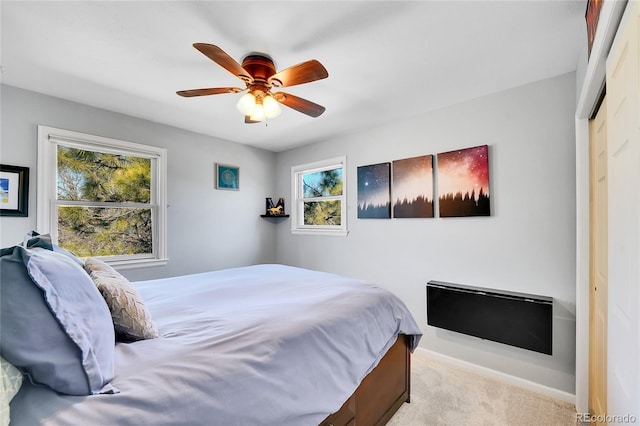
x: 258, y: 345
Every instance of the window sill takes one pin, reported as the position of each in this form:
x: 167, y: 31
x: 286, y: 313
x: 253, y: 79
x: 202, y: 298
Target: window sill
x: 327, y: 232
x: 137, y: 263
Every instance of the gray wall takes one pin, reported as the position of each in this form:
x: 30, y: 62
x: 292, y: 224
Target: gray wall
x: 207, y: 228
x: 527, y: 245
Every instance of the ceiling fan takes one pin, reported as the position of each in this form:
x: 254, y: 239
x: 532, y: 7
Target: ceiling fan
x: 259, y: 75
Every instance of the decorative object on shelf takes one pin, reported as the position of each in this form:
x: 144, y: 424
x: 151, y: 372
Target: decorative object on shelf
x: 14, y: 190
x: 269, y: 205
x: 463, y: 182
x: 275, y: 210
x: 374, y: 191
x: 227, y: 177
x: 412, y: 187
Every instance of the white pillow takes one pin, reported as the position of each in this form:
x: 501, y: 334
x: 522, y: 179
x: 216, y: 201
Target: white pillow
x: 10, y: 383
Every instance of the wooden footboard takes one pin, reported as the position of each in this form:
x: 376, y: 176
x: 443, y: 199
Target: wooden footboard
x: 381, y: 393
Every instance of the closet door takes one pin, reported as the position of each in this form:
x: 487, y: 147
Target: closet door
x: 598, y: 264
x: 623, y: 114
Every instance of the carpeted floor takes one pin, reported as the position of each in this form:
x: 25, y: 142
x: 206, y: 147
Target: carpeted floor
x: 444, y: 395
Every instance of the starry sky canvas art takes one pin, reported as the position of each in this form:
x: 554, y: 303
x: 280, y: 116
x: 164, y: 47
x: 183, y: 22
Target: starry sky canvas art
x: 412, y: 187
x: 463, y: 182
x: 374, y: 198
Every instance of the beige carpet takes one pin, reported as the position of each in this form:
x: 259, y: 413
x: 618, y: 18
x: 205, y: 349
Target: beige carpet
x: 444, y: 395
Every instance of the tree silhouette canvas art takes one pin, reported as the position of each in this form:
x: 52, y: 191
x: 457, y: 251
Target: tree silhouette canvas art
x: 374, y: 191
x: 463, y: 182
x: 412, y: 187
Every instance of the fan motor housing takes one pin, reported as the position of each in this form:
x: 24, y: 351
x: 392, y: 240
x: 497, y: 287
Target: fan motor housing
x: 260, y: 67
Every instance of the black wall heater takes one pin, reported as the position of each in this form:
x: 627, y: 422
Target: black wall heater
x: 515, y: 319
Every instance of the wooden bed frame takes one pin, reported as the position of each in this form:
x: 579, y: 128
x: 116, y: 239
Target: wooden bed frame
x: 381, y: 393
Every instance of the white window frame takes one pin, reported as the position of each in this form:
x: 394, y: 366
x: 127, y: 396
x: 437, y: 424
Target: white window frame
x: 47, y: 221
x: 297, y: 215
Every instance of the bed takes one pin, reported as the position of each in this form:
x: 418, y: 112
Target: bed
x: 256, y: 345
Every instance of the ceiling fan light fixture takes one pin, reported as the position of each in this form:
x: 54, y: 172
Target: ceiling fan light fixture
x: 271, y: 107
x: 258, y: 113
x: 246, y: 104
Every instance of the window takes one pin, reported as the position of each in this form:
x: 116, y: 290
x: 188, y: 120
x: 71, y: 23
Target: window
x: 102, y: 197
x: 320, y: 205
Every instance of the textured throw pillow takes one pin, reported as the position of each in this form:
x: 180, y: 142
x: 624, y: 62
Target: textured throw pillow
x: 56, y: 327
x: 10, y: 382
x: 131, y: 319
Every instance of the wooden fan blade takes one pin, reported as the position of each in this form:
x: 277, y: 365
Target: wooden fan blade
x: 248, y: 120
x: 298, y: 74
x: 221, y: 58
x: 302, y: 105
x: 209, y: 91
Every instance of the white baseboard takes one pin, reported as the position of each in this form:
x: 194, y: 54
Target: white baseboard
x: 500, y: 376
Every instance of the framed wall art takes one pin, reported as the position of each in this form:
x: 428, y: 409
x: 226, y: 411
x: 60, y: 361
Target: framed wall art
x: 463, y: 182
x: 412, y: 187
x: 14, y: 190
x: 374, y: 191
x: 227, y: 177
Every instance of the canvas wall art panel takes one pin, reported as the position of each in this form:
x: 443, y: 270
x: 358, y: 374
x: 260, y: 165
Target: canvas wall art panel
x: 591, y: 16
x: 374, y: 191
x: 463, y: 182
x: 412, y: 187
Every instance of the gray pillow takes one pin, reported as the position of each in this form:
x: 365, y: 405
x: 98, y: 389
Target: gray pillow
x: 56, y: 327
x: 34, y: 240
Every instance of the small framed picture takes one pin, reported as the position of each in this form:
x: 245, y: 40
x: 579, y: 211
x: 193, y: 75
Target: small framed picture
x: 227, y: 177
x: 14, y: 190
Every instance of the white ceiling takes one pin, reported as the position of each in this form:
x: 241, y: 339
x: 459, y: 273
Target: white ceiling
x: 387, y: 60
